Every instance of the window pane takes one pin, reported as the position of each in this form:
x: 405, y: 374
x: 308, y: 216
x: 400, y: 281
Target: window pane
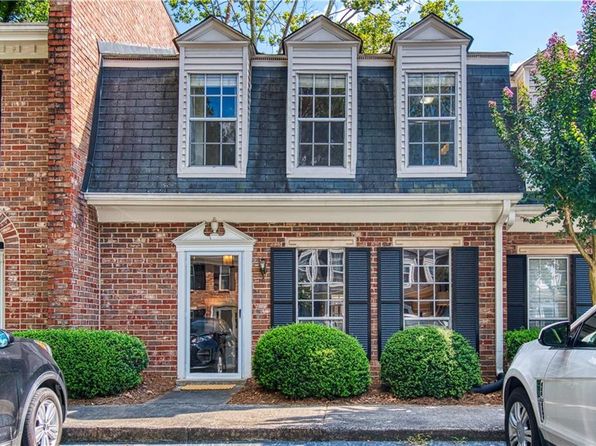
x: 431, y: 154
x: 322, y: 84
x: 213, y: 106
x: 415, y: 84
x: 447, y: 106
x: 415, y: 106
x: 447, y: 152
x: 212, y: 155
x: 447, y: 131
x: 431, y: 84
x: 197, y: 132
x: 305, y: 309
x: 197, y: 84
x: 305, y: 155
x: 228, y: 152
x: 338, y: 85
x: 229, y: 107
x: 431, y: 132
x: 306, y: 107
x: 213, y: 84
x: 197, y: 109
x: 305, y: 84
x: 337, y: 132
x: 213, y: 131
x: 228, y: 132
x: 321, y: 107
x: 337, y: 155
x: 415, y: 155
x: 431, y: 106
x: 447, y: 84
x: 197, y: 154
x: 321, y: 155
x: 415, y: 131
x: 322, y: 132
x: 306, y: 129
x: 338, y: 107
x: 229, y: 84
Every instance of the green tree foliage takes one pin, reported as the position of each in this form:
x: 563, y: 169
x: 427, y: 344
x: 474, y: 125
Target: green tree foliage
x: 270, y: 21
x: 24, y: 10
x: 553, y: 138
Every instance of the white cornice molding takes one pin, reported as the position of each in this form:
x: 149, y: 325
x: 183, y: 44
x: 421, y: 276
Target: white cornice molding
x: 319, y: 208
x: 23, y: 41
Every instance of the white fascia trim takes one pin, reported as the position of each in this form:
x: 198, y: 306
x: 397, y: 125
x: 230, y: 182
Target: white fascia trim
x: 23, y: 32
x: 249, y: 200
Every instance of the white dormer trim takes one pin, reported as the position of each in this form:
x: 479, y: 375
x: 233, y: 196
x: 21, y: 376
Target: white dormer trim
x: 212, y: 47
x: 431, y: 46
x: 23, y: 41
x: 322, y: 47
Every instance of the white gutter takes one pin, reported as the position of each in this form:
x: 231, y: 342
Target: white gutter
x: 507, y: 216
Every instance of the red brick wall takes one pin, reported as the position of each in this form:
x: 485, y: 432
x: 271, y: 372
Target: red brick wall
x: 23, y: 190
x: 75, y: 28
x: 139, y: 274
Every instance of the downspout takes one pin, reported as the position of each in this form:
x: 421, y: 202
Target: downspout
x: 506, y: 216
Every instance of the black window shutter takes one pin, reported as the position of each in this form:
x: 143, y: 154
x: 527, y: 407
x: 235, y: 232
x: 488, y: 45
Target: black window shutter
x: 464, y: 279
x: 283, y: 286
x: 517, y: 292
x: 389, y: 289
x: 582, y: 296
x: 358, y: 295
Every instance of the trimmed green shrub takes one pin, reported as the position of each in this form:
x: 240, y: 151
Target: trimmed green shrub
x: 94, y: 362
x: 310, y: 360
x: 429, y: 361
x: 514, y: 339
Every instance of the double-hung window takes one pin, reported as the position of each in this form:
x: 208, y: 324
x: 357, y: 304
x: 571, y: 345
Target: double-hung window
x: 213, y: 119
x: 426, y: 287
x: 321, y: 286
x: 548, y: 290
x: 321, y: 120
x: 431, y: 116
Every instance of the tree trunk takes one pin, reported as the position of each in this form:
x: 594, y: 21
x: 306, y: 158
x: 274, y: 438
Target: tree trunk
x: 592, y: 273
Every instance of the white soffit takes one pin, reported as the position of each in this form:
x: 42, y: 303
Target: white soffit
x: 285, y: 208
x: 23, y: 41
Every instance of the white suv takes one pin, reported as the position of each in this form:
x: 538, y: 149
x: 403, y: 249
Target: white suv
x: 550, y: 388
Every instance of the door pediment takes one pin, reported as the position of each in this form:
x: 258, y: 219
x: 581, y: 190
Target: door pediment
x: 201, y: 235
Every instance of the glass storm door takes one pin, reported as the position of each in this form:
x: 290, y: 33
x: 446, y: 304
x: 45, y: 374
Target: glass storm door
x: 213, y: 305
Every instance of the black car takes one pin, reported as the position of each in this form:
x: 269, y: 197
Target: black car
x: 32, y: 393
x: 212, y: 346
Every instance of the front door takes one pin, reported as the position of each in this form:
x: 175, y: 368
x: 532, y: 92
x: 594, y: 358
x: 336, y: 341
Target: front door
x: 213, y: 304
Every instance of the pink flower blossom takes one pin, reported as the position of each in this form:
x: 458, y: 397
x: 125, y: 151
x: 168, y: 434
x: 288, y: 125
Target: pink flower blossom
x: 587, y: 5
x: 593, y: 95
x: 507, y: 92
x: 555, y: 39
x: 492, y: 104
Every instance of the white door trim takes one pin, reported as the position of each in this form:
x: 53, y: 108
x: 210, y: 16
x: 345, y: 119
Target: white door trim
x: 232, y: 242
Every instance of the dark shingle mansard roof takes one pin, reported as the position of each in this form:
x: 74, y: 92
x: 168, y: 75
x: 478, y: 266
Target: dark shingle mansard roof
x: 135, y: 144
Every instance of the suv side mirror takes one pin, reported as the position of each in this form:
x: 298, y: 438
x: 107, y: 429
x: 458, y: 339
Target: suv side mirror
x: 5, y: 338
x: 555, y: 335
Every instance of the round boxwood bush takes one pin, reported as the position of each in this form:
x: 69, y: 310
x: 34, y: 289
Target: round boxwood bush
x: 310, y: 360
x: 94, y: 362
x: 429, y: 361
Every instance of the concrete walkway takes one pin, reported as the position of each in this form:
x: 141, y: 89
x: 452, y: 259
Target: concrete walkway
x: 186, y: 417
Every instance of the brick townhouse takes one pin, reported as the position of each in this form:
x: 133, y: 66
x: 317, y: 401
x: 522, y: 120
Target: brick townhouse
x: 193, y: 192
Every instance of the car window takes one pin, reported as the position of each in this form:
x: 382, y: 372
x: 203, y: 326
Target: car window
x: 587, y: 334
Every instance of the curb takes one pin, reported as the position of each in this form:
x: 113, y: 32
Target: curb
x: 201, y: 434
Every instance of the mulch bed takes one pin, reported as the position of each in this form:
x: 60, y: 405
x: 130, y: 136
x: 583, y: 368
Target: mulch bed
x: 252, y: 393
x: 153, y: 385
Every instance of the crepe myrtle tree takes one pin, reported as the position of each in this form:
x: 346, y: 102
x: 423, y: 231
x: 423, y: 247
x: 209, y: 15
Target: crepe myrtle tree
x: 553, y: 138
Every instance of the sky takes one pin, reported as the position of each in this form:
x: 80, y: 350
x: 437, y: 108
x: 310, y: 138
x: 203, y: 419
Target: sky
x: 518, y: 26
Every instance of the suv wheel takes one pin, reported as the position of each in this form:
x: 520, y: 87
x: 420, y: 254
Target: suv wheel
x: 520, y: 422
x: 43, y: 422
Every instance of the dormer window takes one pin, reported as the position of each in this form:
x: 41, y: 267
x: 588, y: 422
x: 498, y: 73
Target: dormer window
x: 431, y: 119
x: 213, y: 119
x: 431, y: 103
x: 322, y: 120
x: 322, y: 104
x: 213, y: 105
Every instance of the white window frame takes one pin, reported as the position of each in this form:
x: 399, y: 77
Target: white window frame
x: 297, y: 300
x: 314, y: 120
x: 567, y: 266
x: 221, y: 268
x: 206, y: 119
x: 427, y: 319
x: 453, y: 118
